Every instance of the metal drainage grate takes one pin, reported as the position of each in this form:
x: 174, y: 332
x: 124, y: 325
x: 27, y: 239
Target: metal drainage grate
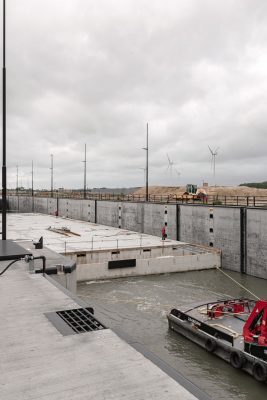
x: 80, y: 320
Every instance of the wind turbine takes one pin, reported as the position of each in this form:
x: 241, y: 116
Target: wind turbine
x: 213, y: 161
x: 170, y: 167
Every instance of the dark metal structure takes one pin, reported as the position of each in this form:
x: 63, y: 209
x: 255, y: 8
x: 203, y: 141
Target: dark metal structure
x: 32, y: 180
x: 84, y: 177
x: 81, y: 320
x: 146, y: 149
x: 52, y: 175
x: 4, y: 202
x: 10, y: 250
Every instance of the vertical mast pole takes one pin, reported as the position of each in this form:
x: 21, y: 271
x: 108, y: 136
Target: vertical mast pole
x: 84, y: 183
x: 52, y: 173
x: 32, y: 178
x: 4, y: 128
x: 17, y: 181
x: 147, y: 161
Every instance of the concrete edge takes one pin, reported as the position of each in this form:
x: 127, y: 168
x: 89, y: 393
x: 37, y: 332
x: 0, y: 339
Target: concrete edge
x: 165, y: 367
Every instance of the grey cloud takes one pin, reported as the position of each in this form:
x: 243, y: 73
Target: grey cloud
x: 96, y: 71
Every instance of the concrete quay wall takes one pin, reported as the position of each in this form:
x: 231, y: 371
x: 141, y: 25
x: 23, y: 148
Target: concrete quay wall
x: 217, y: 227
x: 240, y: 232
x: 148, y: 266
x: 147, y: 252
x: 256, y: 242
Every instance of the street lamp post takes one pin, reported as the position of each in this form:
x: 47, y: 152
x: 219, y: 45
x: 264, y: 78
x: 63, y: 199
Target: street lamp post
x: 52, y: 175
x: 146, y: 148
x: 84, y: 182
x: 17, y: 181
x: 4, y: 207
x: 32, y: 178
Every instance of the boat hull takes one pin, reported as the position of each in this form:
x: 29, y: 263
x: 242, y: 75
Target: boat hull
x: 191, y: 328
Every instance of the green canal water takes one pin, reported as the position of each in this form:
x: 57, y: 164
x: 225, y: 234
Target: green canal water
x: 138, y: 306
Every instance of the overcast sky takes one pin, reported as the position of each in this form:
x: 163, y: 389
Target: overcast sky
x: 96, y: 71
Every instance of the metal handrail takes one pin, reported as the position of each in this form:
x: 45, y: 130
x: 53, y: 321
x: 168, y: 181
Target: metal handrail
x: 249, y: 201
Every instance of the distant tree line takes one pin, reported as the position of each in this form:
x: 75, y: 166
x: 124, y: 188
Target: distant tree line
x: 257, y: 185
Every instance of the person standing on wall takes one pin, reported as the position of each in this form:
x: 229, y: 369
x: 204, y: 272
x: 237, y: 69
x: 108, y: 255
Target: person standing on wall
x: 163, y: 233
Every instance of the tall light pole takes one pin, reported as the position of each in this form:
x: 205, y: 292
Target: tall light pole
x: 17, y: 181
x: 84, y: 177
x: 146, y: 148
x: 52, y: 174
x: 4, y: 207
x: 32, y: 178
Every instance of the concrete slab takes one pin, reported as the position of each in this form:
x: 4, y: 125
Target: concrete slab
x: 92, y: 247
x: 82, y: 236
x: 37, y: 362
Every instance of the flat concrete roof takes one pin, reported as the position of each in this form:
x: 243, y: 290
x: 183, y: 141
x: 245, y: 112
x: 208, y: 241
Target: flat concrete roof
x: 38, y: 362
x: 83, y: 236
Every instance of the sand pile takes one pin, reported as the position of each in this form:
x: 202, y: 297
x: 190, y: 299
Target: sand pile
x: 210, y: 190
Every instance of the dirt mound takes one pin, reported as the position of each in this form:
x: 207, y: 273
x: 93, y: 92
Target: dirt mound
x: 210, y: 190
x: 161, y: 190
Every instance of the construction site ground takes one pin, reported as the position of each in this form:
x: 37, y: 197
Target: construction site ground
x: 210, y: 191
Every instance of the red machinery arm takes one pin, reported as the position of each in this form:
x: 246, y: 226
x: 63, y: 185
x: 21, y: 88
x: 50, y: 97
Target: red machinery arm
x: 255, y: 328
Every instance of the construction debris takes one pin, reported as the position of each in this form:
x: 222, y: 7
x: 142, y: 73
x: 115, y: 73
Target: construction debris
x: 63, y: 231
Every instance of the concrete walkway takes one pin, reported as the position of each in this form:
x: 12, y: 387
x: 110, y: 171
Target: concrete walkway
x: 82, y: 236
x: 93, y: 247
x: 38, y: 362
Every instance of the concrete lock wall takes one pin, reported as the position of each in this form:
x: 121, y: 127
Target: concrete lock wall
x: 158, y: 215
x: 25, y: 204
x: 139, y: 217
x: 13, y: 203
x: 52, y: 206
x: 239, y: 232
x: 40, y: 205
x: 43, y: 205
x: 217, y: 227
x: 108, y: 213
x: 21, y: 204
x: 132, y: 217
x: 256, y: 243
x: 77, y: 209
x: 88, y: 210
x: 227, y: 236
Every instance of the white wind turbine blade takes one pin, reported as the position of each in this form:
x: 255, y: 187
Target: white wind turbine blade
x: 210, y: 150
x: 212, y: 157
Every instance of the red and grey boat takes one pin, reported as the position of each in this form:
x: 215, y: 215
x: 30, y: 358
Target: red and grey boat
x: 234, y: 330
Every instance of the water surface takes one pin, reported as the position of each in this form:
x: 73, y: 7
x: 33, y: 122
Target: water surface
x: 138, y: 306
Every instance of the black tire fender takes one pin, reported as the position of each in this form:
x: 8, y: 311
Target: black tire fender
x: 259, y: 371
x: 210, y: 345
x: 237, y: 359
